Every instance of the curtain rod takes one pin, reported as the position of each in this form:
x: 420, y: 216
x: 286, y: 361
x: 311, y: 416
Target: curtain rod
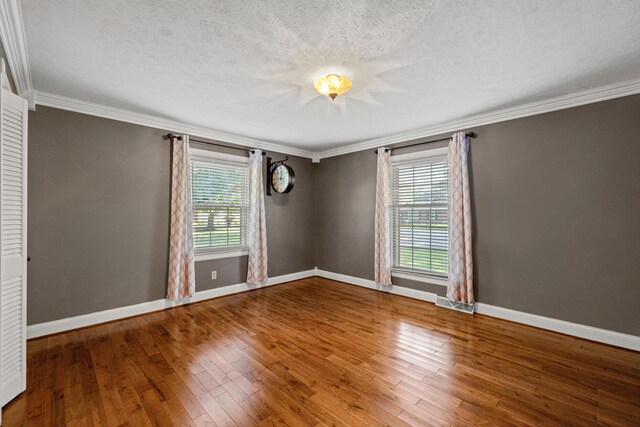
x: 170, y: 136
x: 386, y: 150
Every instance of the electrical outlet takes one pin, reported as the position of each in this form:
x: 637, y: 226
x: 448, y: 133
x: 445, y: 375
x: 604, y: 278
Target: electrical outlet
x: 214, y: 275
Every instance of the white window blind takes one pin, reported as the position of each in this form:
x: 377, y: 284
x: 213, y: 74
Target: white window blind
x: 421, y: 216
x: 220, y: 205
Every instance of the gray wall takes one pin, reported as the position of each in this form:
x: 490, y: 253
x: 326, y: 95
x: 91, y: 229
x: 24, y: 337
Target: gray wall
x: 98, y: 217
x: 556, y: 205
x: 345, y: 197
x: 555, y: 202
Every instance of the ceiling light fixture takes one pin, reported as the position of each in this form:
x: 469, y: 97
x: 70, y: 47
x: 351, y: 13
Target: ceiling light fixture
x: 332, y: 85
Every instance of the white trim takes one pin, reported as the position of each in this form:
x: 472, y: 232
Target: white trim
x: 365, y: 283
x: 61, y: 325
x: 589, y: 96
x: 423, y: 154
x: 205, y: 256
x: 237, y: 162
x: 93, y: 109
x: 591, y: 333
x: 198, y: 154
x: 14, y: 40
x: 30, y: 96
x: 618, y: 339
x: 393, y: 289
x: 5, y: 78
x: 631, y: 342
x: 439, y: 281
x: 15, y: 45
x: 429, y: 156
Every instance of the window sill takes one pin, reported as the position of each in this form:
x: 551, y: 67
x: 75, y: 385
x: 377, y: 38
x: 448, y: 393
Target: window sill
x: 439, y: 281
x: 222, y: 254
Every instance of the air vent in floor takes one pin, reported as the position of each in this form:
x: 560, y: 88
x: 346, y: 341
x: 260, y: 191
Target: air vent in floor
x: 458, y: 306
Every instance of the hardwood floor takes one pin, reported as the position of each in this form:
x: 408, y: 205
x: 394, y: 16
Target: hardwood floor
x: 318, y: 352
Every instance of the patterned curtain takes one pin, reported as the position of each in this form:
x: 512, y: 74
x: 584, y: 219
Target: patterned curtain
x: 257, y: 227
x: 460, y: 287
x: 383, y: 216
x: 181, y: 281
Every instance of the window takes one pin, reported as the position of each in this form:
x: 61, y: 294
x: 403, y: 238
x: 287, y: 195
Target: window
x: 420, y: 213
x: 220, y: 189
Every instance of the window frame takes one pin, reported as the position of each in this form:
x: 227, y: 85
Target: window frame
x: 214, y: 157
x: 407, y: 273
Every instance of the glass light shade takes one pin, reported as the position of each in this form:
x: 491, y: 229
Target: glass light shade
x: 332, y: 85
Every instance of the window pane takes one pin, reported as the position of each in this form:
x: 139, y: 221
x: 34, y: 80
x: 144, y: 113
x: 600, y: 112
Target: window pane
x: 220, y: 204
x: 421, y: 216
x: 216, y: 226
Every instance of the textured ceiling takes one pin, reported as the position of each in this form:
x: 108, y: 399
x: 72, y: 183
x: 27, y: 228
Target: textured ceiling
x: 248, y: 67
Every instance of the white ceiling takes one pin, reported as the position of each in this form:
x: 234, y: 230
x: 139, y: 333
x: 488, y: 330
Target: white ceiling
x: 247, y: 67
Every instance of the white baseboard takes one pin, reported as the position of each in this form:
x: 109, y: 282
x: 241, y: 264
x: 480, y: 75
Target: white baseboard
x: 618, y: 339
x: 605, y: 336
x: 396, y: 290
x: 61, y: 325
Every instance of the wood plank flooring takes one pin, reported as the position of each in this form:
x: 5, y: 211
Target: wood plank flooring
x: 318, y: 352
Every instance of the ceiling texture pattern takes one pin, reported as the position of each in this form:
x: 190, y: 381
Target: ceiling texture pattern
x: 247, y: 67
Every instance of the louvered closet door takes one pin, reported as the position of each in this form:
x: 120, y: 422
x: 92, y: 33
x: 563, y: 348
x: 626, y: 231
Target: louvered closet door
x: 13, y: 244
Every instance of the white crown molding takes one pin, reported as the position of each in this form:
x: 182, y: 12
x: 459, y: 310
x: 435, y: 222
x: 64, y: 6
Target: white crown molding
x: 69, y: 323
x: 99, y: 110
x: 13, y: 37
x: 589, y: 96
x: 603, y: 93
x: 15, y: 45
x: 605, y: 336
